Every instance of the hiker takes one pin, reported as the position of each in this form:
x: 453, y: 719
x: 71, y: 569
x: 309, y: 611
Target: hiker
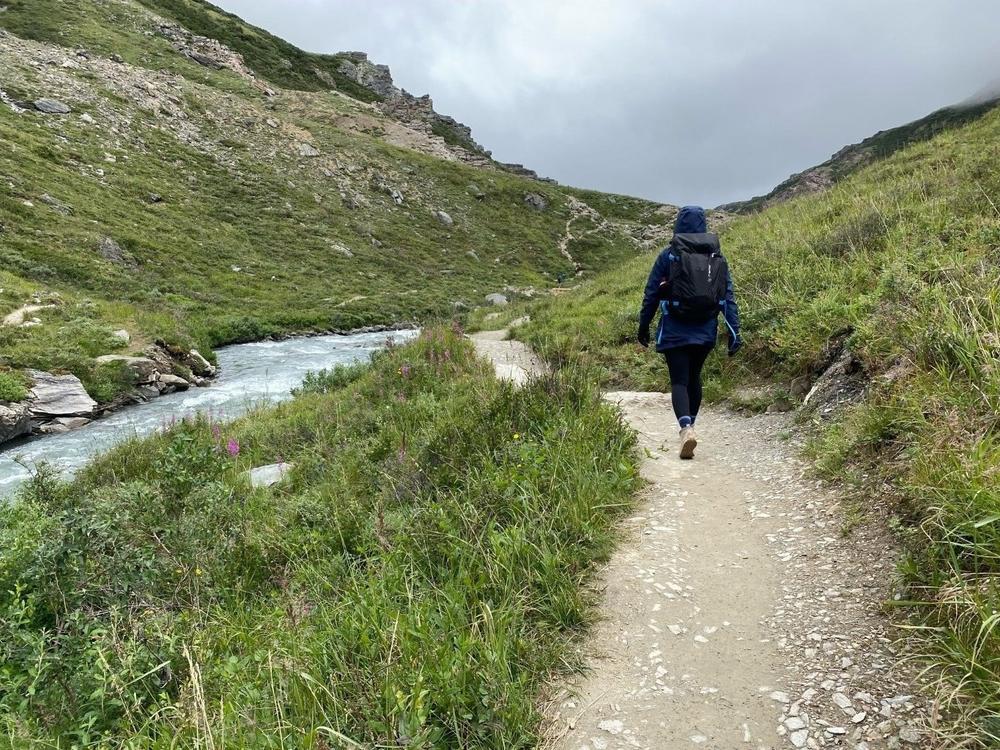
x: 691, y: 285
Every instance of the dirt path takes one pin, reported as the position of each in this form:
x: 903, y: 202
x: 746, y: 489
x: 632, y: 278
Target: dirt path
x: 735, y: 613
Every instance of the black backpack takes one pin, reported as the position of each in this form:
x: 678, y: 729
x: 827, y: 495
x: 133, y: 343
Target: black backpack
x: 696, y: 286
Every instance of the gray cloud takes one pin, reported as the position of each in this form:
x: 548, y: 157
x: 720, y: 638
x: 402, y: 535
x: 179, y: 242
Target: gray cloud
x: 676, y: 100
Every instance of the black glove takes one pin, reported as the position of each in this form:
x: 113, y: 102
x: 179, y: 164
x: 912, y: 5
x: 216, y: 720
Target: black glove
x: 735, y: 344
x: 643, y: 337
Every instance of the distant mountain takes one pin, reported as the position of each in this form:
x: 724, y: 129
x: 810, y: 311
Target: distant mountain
x: 884, y: 143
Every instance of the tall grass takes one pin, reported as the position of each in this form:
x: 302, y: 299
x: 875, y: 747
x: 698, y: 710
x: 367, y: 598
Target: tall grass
x: 411, y: 584
x: 901, y: 260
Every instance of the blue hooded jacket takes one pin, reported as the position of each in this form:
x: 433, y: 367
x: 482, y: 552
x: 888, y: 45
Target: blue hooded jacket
x: 671, y: 332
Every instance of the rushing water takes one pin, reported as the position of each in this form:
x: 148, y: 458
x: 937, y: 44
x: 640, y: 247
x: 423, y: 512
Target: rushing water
x: 250, y: 374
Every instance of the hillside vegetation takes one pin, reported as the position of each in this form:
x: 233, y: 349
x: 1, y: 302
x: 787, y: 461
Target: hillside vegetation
x: 201, y: 203
x: 851, y: 158
x: 899, y: 263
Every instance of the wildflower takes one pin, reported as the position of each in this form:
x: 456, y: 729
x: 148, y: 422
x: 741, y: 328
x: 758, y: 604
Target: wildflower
x: 216, y: 432
x: 517, y: 436
x: 197, y: 571
x: 405, y: 371
x: 233, y: 447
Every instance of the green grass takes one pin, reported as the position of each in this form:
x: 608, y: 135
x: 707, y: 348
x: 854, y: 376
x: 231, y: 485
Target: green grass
x: 901, y: 258
x: 267, y: 55
x: 879, y: 146
x: 412, y: 583
x: 248, y: 238
x: 13, y: 387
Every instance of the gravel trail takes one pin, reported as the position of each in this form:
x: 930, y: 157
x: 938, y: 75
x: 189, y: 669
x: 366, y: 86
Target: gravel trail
x: 735, y: 613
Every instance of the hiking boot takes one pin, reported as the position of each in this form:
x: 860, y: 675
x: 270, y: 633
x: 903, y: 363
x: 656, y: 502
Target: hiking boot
x: 688, y: 442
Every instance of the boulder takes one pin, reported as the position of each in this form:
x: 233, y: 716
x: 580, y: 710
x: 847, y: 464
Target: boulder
x: 307, y: 150
x: 58, y: 396
x: 198, y: 364
x: 51, y: 107
x: 122, y: 335
x: 265, y: 476
x: 476, y: 192
x: 535, y: 201
x: 176, y: 382
x: 63, y: 424
x: 15, y: 420
x: 205, y: 60
x: 498, y: 300
x: 114, y: 252
x: 444, y: 218
x: 144, y: 370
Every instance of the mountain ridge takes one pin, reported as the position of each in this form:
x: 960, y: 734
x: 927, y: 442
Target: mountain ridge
x: 875, y: 147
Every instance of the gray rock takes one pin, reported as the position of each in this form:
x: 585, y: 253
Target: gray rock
x: 176, y: 382
x: 58, y: 396
x: 265, y: 476
x: 112, y: 251
x: 910, y: 735
x: 63, y: 424
x: 122, y: 335
x: 87, y: 119
x: 476, y: 192
x: 498, y: 300
x: 799, y: 737
x: 51, y: 107
x: 205, y: 60
x: 444, y: 218
x: 64, y: 208
x: 154, y: 198
x: 307, y: 150
x: 535, y: 201
x: 143, y: 370
x: 199, y: 365
x: 15, y: 420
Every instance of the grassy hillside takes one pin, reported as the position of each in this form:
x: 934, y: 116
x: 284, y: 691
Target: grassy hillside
x: 904, y: 259
x: 410, y: 584
x: 851, y: 158
x: 190, y: 204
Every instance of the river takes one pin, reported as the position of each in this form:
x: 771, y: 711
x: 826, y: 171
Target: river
x: 250, y: 375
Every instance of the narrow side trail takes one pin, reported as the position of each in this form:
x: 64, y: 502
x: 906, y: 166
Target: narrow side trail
x: 735, y: 614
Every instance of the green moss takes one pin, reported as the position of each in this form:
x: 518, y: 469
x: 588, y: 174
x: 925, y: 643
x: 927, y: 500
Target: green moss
x: 13, y: 387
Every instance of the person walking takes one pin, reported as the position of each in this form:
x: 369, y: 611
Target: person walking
x: 690, y: 284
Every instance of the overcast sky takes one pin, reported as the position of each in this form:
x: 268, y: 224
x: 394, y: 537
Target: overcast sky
x: 676, y: 100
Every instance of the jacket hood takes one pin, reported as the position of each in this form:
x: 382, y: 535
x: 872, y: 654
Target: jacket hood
x: 691, y: 220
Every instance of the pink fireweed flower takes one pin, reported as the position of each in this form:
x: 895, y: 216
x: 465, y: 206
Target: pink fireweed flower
x: 216, y: 431
x: 405, y: 371
x: 233, y: 447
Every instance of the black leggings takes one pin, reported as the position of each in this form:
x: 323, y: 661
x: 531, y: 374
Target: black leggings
x: 685, y: 363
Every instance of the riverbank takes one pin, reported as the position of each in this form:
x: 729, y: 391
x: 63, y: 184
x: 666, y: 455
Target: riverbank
x: 249, y: 375
x: 412, y: 580
x: 56, y: 404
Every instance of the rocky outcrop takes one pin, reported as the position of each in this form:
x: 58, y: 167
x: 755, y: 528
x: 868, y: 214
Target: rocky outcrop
x: 497, y: 300
x: 416, y: 111
x: 15, y: 421
x: 51, y: 107
x: 207, y: 52
x: 535, y: 201
x: 52, y: 396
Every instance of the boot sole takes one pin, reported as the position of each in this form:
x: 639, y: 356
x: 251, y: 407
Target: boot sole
x: 687, y: 448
